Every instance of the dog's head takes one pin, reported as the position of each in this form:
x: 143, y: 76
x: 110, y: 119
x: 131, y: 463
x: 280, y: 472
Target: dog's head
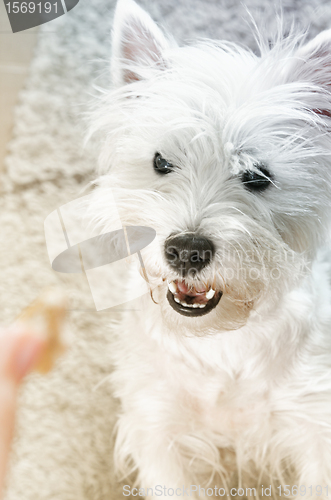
x: 224, y: 153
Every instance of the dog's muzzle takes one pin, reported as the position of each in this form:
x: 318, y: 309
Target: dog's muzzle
x: 187, y: 255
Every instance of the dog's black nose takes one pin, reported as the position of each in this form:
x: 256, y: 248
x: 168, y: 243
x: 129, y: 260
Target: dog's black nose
x: 188, y: 253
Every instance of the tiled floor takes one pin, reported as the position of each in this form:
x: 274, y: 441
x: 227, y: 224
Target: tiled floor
x: 16, y: 51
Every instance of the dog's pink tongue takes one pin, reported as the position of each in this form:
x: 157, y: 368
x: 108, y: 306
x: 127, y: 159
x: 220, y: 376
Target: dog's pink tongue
x: 191, y: 292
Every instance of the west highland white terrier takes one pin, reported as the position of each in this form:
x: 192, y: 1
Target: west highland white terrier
x: 224, y: 371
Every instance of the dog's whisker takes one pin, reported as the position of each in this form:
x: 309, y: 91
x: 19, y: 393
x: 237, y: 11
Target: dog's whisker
x: 101, y: 382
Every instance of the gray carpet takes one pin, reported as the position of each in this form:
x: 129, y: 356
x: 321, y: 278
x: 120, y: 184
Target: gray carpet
x: 63, y: 443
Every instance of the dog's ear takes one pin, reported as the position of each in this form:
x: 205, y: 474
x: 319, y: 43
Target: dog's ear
x: 314, y: 60
x: 138, y: 44
x: 313, y: 64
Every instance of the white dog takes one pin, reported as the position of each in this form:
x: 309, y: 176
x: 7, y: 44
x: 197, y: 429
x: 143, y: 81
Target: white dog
x: 224, y: 372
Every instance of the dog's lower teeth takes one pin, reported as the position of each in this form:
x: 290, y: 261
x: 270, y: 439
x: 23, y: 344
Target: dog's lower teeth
x: 194, y: 305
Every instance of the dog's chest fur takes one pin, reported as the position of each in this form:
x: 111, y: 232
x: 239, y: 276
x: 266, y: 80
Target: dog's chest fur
x: 221, y: 384
x: 228, y: 410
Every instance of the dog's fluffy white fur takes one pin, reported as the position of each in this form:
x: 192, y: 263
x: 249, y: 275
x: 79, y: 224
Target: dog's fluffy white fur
x: 242, y: 394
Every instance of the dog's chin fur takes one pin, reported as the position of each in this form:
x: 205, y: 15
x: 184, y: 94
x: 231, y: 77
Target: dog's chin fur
x: 240, y: 395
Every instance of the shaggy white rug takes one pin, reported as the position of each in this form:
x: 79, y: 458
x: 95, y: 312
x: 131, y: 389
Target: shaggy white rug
x: 63, y: 444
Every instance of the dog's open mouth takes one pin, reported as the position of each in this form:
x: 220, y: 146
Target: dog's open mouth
x: 192, y: 301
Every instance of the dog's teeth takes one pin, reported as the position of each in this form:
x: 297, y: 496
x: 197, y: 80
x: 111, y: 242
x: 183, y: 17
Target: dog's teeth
x: 195, y: 305
x: 202, y: 305
x: 177, y: 300
x: 185, y: 304
x: 210, y: 294
x: 172, y: 287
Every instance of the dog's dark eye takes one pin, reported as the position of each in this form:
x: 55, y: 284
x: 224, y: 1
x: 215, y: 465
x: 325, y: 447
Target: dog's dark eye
x: 256, y: 182
x: 161, y: 165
